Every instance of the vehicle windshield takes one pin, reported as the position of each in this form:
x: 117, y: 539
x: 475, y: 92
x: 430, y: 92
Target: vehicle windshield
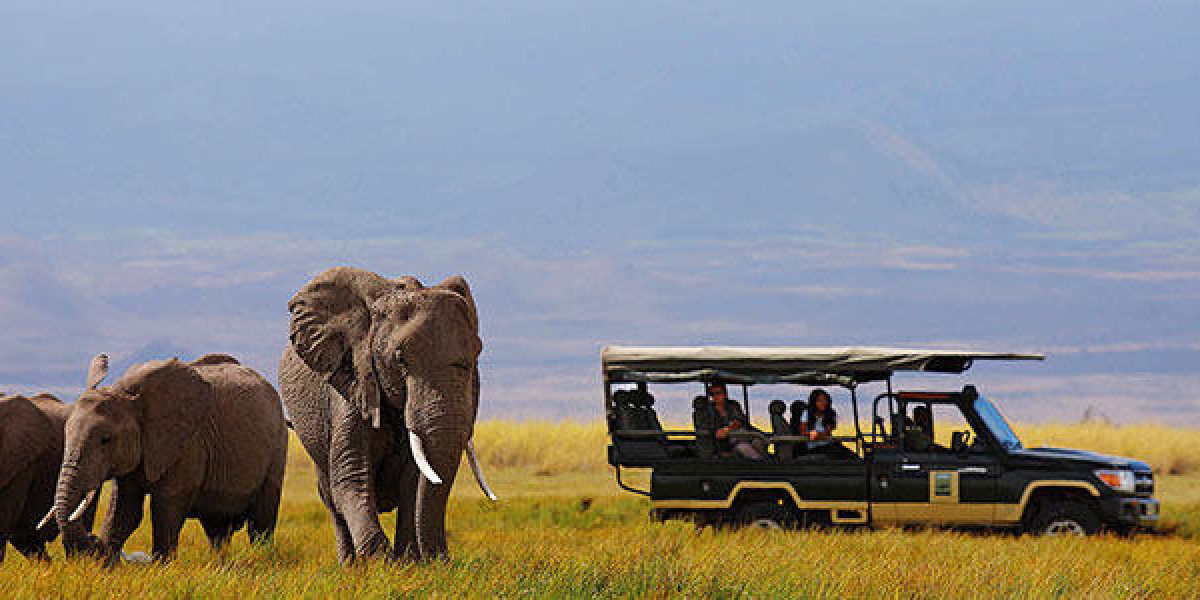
x: 998, y: 424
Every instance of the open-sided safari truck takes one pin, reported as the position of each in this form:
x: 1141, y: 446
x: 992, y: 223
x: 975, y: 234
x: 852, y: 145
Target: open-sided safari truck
x: 922, y: 458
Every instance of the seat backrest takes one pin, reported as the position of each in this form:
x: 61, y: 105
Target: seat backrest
x: 627, y: 411
x: 704, y: 420
x: 923, y: 418
x: 647, y: 418
x: 779, y: 423
x: 797, y: 414
x: 781, y: 426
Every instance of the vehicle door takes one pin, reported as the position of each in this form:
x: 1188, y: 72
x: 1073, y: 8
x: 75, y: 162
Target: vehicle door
x: 964, y: 470
x: 898, y: 478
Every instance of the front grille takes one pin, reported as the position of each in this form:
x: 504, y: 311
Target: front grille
x: 1143, y: 483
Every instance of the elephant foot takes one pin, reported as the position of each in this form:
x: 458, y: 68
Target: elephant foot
x: 375, y: 546
x: 405, y: 553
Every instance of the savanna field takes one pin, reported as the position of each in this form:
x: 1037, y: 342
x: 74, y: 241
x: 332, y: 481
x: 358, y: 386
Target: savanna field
x: 562, y: 528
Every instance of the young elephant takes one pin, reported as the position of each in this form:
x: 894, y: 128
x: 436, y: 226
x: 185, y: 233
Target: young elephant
x: 31, y: 448
x: 204, y: 439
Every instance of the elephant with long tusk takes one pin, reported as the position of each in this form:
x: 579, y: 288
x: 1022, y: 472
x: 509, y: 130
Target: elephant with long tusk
x: 381, y: 381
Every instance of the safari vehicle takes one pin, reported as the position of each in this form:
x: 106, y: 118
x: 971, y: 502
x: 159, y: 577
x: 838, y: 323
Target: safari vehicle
x: 964, y: 467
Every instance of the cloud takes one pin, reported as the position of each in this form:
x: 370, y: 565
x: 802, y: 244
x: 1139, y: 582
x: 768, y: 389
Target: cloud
x: 1147, y: 276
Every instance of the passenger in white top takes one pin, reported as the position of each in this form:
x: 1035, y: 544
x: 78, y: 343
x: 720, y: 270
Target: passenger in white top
x: 822, y: 420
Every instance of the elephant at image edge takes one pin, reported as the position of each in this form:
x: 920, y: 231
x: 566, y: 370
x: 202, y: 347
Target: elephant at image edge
x: 381, y: 383
x: 31, y: 448
x: 205, y: 439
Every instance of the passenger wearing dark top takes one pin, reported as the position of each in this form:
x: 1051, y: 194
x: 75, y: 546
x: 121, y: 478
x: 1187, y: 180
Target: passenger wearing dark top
x: 731, y: 417
x: 918, y: 436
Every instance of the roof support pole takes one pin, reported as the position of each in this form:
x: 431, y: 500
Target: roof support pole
x: 858, y: 445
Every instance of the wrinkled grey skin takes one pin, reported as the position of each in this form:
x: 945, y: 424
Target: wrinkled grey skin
x: 31, y: 448
x: 205, y: 440
x: 369, y: 361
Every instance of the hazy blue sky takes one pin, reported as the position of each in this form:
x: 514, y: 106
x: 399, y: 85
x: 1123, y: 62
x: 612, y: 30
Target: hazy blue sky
x: 1013, y: 176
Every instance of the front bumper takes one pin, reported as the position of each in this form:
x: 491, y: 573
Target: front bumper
x: 1141, y: 512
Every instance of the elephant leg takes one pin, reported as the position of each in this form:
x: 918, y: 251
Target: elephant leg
x: 31, y: 548
x: 345, y: 542
x: 350, y: 482
x: 265, y: 512
x: 123, y: 516
x: 405, y: 544
x: 166, y: 518
x: 218, y: 529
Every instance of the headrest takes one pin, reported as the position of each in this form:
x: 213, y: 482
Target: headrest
x: 700, y: 402
x: 799, y: 406
x: 777, y: 407
x: 623, y: 396
x: 644, y: 399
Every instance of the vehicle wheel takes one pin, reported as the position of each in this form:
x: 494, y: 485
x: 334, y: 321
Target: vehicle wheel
x: 1065, y: 517
x: 765, y: 515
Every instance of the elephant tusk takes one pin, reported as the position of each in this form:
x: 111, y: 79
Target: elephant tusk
x: 475, y: 468
x: 418, y: 453
x: 83, y: 506
x: 46, y: 520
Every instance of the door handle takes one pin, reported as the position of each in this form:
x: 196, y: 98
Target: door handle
x: 910, y: 467
x: 973, y: 470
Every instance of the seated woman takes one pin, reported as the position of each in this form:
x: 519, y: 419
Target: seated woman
x: 819, y: 425
x: 731, y: 417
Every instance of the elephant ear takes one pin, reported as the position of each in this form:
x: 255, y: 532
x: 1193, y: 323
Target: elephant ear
x: 330, y: 331
x: 25, y: 436
x: 458, y: 285
x: 97, y: 371
x: 175, y: 403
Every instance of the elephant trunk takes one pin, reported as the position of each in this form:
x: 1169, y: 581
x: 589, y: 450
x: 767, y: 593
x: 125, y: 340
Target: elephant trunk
x: 77, y: 489
x: 432, y: 497
x: 439, y: 418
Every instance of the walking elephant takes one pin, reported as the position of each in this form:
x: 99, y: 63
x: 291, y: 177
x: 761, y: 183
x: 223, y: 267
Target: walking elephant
x: 205, y: 439
x: 31, y: 449
x: 381, y: 382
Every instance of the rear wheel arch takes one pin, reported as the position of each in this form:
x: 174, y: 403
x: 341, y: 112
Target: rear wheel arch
x: 766, y: 508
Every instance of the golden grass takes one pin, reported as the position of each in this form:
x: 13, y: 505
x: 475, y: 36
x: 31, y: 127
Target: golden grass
x: 1170, y: 450
x: 563, y: 529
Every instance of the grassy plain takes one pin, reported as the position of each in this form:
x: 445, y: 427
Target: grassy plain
x: 563, y: 529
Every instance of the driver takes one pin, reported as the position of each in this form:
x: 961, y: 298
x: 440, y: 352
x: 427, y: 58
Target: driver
x: 731, y: 417
x: 918, y: 436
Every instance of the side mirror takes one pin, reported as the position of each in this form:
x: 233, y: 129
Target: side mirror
x: 960, y: 442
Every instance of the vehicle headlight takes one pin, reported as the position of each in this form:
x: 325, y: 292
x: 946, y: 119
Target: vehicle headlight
x: 1120, y: 480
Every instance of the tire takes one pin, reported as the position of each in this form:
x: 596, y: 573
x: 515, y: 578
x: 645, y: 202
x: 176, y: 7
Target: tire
x: 765, y: 515
x: 1065, y: 517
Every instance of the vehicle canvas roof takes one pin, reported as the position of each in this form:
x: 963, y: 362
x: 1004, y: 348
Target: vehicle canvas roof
x: 845, y: 366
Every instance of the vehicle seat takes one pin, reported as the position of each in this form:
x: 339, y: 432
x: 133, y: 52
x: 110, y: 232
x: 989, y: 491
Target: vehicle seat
x: 780, y: 426
x: 705, y: 424
x: 647, y: 418
x: 626, y: 409
x: 634, y: 414
x: 797, y: 411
